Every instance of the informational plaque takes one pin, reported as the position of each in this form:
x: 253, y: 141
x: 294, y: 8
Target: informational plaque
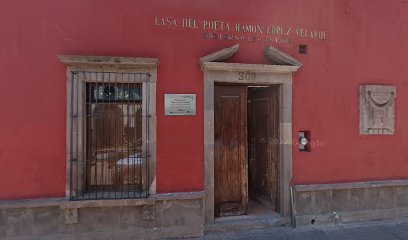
x: 180, y: 104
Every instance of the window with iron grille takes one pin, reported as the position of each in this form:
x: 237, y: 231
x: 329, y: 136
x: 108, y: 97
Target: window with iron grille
x: 109, y: 135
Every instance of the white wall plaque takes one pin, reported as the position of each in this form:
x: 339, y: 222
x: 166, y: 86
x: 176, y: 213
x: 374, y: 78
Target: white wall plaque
x: 180, y: 104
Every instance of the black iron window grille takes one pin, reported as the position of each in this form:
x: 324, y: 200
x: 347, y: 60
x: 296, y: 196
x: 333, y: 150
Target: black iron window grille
x: 109, y: 135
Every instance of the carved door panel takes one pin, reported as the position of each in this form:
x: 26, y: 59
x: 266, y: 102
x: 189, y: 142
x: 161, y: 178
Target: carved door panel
x: 263, y: 145
x: 230, y: 156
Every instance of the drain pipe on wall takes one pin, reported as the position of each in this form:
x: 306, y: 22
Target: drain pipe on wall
x: 292, y: 205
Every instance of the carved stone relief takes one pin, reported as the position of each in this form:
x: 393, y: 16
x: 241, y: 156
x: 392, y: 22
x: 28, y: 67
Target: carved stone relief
x: 71, y: 216
x: 149, y: 212
x: 377, y: 109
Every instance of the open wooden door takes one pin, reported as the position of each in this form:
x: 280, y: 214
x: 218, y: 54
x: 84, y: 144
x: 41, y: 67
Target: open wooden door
x: 263, y: 144
x: 230, y: 156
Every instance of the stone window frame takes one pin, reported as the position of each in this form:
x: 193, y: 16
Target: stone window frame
x: 278, y: 75
x: 114, y: 64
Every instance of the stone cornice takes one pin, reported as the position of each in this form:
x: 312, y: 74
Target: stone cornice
x: 137, y: 62
x: 64, y: 203
x: 351, y: 185
x: 220, y: 55
x: 235, y: 67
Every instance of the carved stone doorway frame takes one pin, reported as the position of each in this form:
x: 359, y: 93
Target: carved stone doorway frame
x: 280, y: 75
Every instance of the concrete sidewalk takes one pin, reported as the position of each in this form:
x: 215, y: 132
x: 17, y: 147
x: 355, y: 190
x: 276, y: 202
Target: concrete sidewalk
x: 396, y: 230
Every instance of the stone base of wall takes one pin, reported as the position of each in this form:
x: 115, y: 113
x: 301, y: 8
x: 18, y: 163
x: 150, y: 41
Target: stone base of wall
x: 159, y: 216
x: 182, y: 214
x: 350, y: 202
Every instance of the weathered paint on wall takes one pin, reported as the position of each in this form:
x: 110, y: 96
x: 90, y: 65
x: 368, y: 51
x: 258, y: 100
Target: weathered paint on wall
x: 366, y: 45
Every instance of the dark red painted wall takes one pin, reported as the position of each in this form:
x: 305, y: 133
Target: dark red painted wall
x: 367, y: 43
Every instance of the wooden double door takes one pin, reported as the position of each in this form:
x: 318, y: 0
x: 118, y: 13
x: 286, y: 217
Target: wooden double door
x: 246, y: 148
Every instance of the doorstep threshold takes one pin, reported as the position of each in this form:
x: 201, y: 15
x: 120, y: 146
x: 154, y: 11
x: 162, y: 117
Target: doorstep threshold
x: 245, y: 222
